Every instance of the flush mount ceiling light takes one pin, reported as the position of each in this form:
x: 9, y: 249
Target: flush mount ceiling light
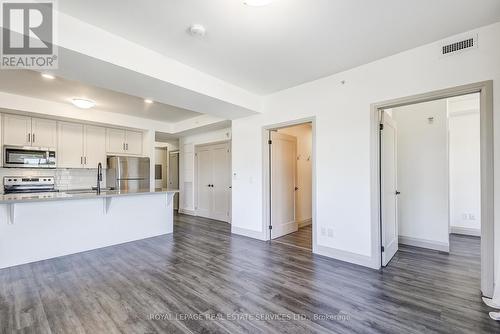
x: 197, y: 30
x: 83, y: 103
x: 48, y: 76
x: 148, y: 101
x: 257, y: 3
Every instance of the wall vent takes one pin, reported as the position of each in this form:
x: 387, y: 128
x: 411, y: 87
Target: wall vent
x: 459, y: 46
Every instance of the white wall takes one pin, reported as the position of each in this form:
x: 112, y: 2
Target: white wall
x: 303, y: 198
x: 422, y: 167
x: 465, y: 176
x: 186, y: 164
x: 344, y: 142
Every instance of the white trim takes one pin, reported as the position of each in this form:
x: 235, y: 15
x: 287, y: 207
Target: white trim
x: 337, y: 254
x: 188, y: 212
x: 304, y: 222
x: 476, y: 232
x: 423, y: 243
x: 248, y: 233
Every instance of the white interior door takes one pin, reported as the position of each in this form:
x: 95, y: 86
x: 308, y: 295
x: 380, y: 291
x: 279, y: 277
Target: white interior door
x: 204, y: 182
x: 283, y: 170
x: 389, y: 189
x: 220, y: 182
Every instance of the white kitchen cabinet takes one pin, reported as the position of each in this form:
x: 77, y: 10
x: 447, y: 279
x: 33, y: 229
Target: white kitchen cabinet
x: 81, y: 146
x: 95, y: 146
x: 27, y: 131
x: 70, y: 145
x: 16, y: 130
x: 133, y: 143
x: 43, y: 132
x: 115, y: 141
x: 120, y: 141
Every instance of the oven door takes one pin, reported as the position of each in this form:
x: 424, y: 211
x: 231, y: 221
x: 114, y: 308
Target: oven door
x: 23, y: 157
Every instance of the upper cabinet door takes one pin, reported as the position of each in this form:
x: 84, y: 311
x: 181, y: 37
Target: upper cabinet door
x: 16, y: 130
x: 134, y: 143
x: 43, y: 132
x: 70, y: 145
x: 115, y: 140
x: 95, y: 146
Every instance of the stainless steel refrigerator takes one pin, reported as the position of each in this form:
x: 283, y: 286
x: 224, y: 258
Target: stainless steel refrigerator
x: 127, y: 173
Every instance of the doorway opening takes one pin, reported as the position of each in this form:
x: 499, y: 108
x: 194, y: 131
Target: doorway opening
x: 291, y: 185
x: 435, y: 176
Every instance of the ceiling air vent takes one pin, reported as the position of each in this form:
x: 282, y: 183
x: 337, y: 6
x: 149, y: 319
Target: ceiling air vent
x: 462, y: 45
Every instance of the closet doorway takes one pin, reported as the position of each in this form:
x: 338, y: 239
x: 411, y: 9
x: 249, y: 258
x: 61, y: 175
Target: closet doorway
x: 213, y: 181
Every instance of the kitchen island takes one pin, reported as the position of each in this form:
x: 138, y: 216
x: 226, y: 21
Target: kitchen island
x: 40, y: 226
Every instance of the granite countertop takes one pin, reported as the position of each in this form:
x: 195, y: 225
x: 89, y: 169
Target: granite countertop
x: 76, y: 194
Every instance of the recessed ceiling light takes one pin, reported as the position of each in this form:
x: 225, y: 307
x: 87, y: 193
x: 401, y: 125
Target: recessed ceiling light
x: 48, y: 76
x: 149, y: 101
x: 197, y: 30
x: 83, y: 103
x: 257, y: 3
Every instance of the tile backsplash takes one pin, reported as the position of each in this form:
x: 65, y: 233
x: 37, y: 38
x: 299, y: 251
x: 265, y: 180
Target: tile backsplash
x: 65, y: 179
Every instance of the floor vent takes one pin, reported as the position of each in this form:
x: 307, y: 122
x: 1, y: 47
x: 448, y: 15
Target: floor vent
x: 462, y: 45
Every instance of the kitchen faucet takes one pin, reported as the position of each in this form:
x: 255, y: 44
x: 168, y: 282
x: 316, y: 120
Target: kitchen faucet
x: 99, y: 178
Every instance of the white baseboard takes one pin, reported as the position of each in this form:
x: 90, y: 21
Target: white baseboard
x: 187, y: 212
x: 476, y: 232
x: 345, y: 256
x: 423, y: 243
x: 304, y: 222
x: 248, y: 233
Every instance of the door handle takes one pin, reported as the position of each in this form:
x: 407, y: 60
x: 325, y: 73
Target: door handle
x: 296, y: 188
x: 397, y: 192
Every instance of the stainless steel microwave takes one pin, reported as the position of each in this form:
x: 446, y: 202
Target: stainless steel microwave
x: 29, y: 157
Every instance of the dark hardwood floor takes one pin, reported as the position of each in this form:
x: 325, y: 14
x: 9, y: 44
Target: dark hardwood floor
x: 302, y: 238
x: 189, y: 282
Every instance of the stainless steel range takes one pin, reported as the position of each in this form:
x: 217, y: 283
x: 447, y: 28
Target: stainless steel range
x: 27, y: 184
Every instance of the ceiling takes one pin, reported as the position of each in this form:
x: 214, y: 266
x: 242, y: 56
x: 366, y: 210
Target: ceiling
x: 266, y: 49
x: 31, y: 83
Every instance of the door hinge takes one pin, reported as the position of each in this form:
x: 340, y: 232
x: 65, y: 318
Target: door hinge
x: 381, y: 126
x: 269, y: 142
x: 383, y: 249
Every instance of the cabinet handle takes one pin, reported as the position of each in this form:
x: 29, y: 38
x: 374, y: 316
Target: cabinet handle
x: 33, y: 138
x: 29, y: 137
x: 85, y: 160
x: 127, y: 146
x: 81, y: 160
x: 124, y: 146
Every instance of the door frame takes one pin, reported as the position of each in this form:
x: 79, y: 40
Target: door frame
x: 266, y: 182
x: 485, y: 89
x: 195, y: 176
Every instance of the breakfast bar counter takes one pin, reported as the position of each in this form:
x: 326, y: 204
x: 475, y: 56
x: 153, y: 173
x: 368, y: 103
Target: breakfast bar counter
x: 40, y: 226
